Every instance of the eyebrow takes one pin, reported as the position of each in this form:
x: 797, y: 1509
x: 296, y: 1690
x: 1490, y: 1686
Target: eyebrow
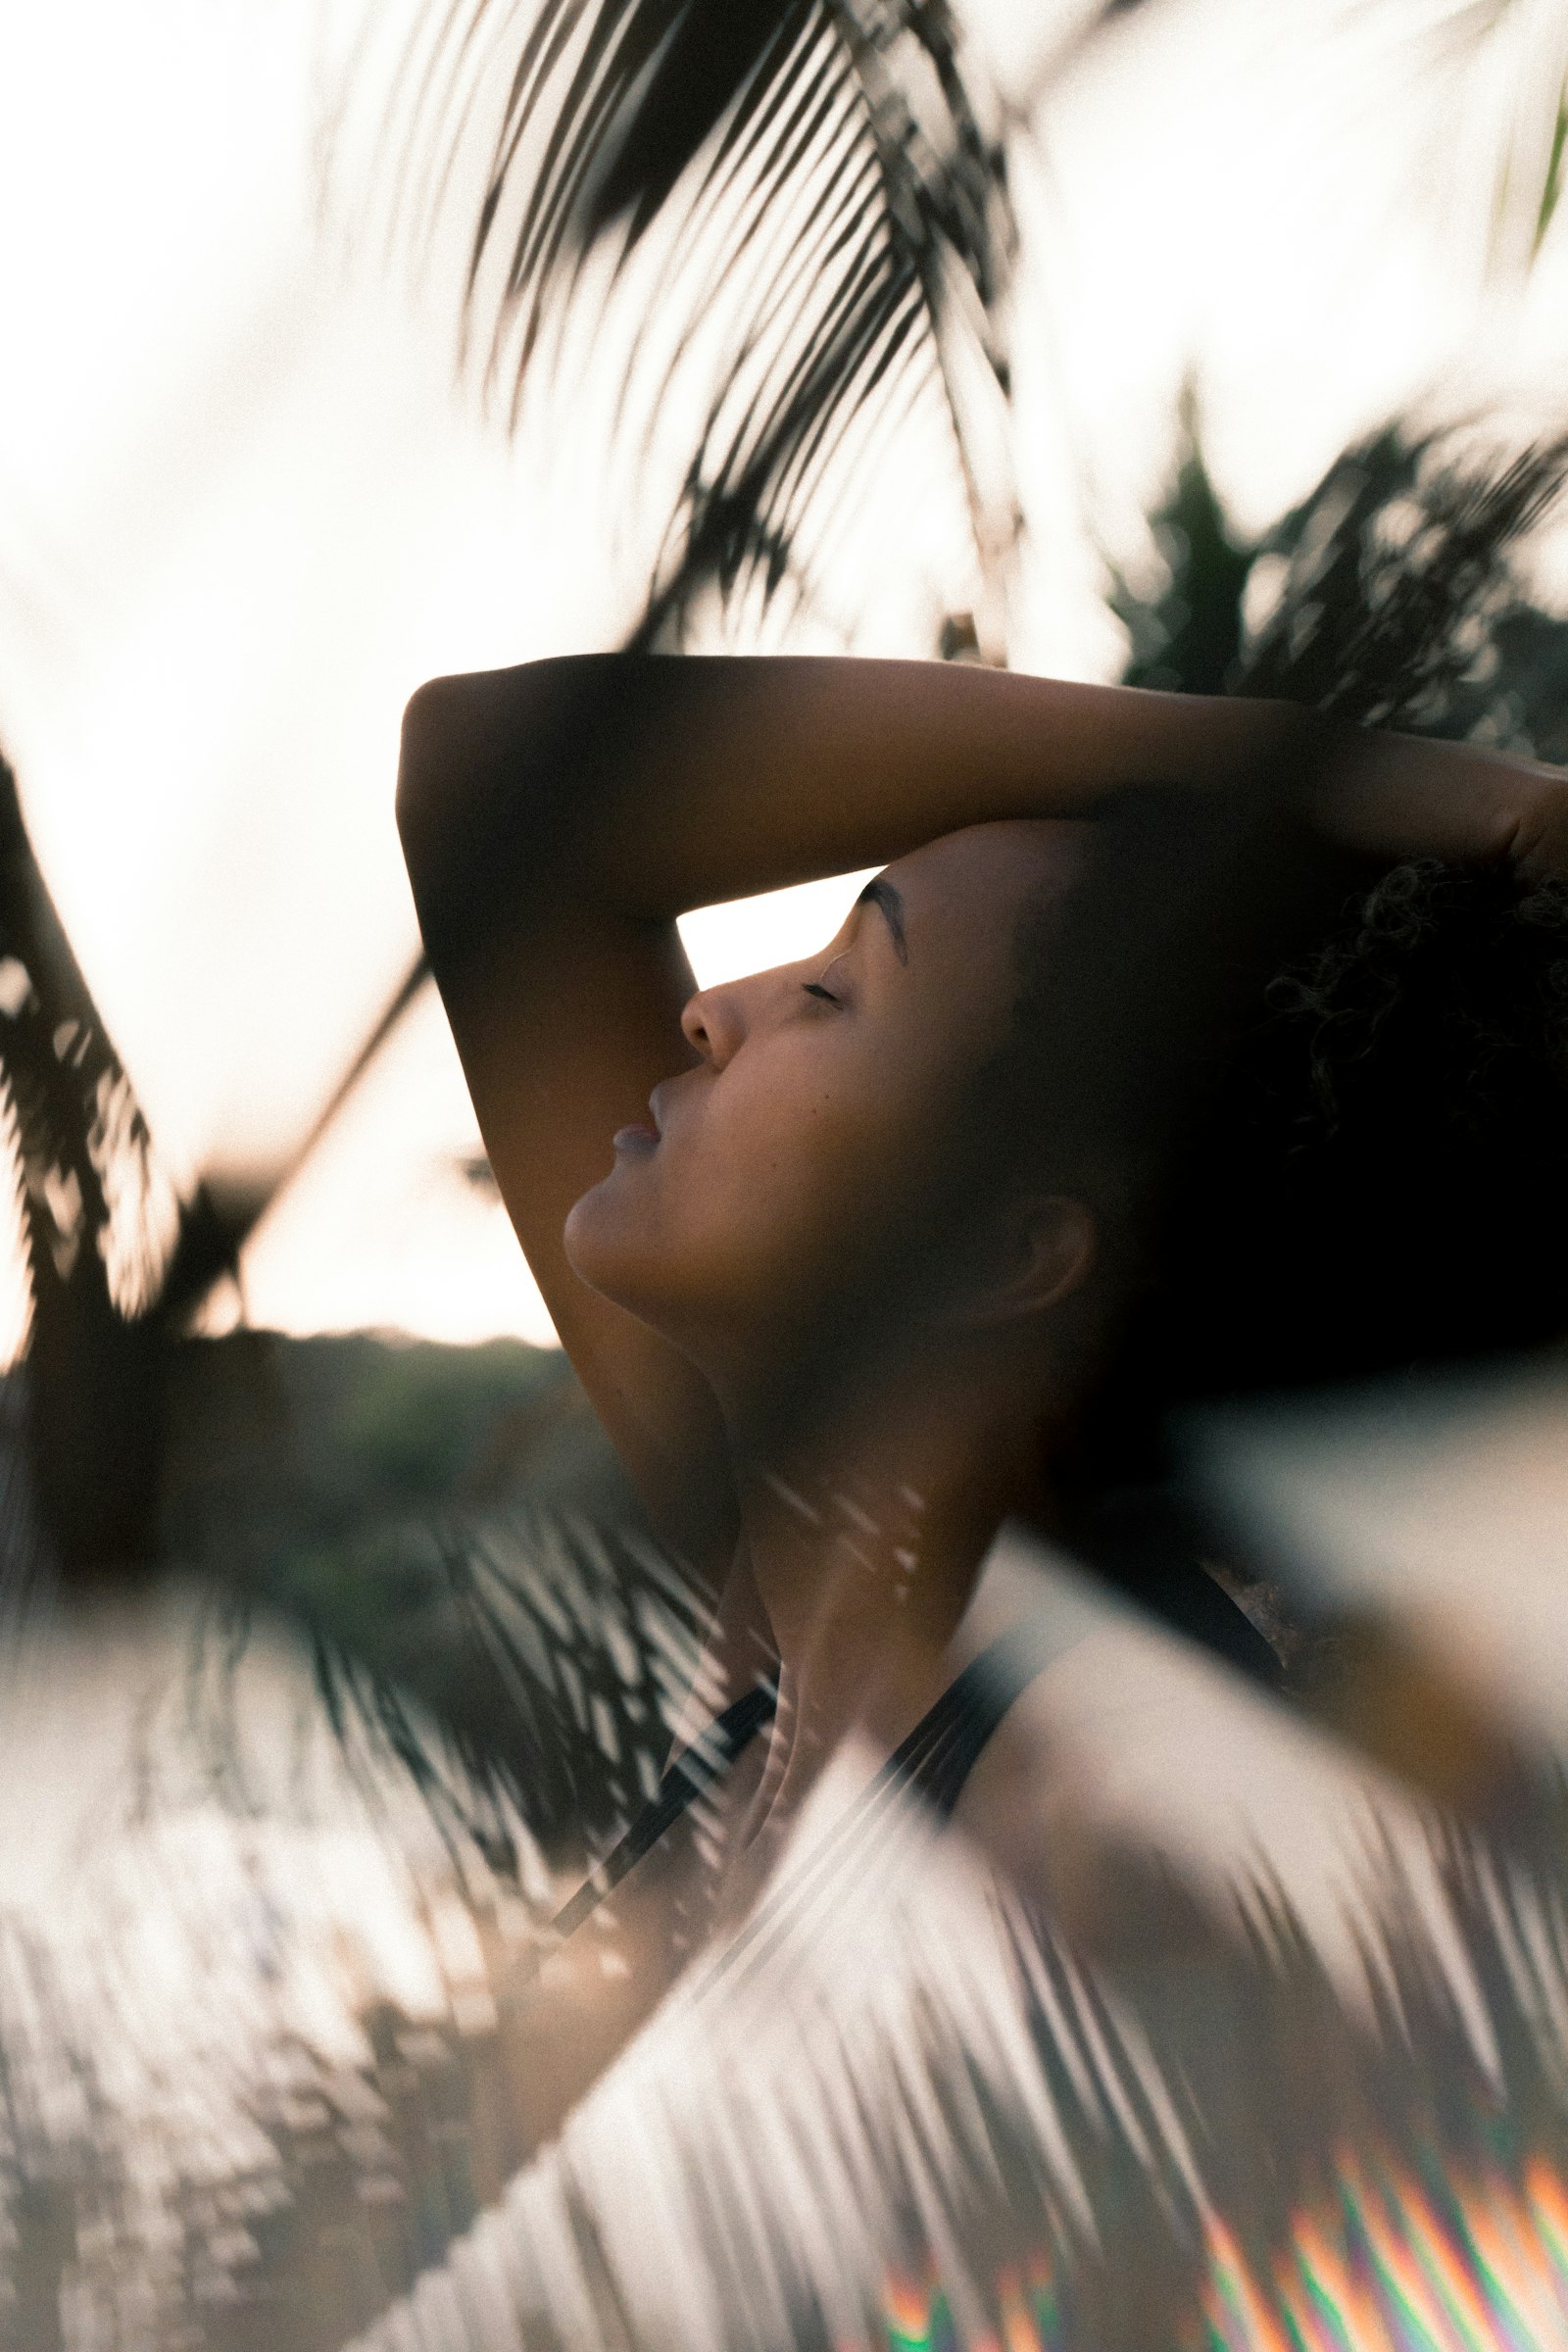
x: 878, y: 893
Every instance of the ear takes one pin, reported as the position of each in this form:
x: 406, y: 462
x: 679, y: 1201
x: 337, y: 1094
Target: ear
x: 1039, y: 1250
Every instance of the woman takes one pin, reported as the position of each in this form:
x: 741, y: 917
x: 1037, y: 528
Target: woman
x: 839, y: 1250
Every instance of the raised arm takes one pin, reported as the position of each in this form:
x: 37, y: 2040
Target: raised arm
x: 670, y: 783
x: 558, y: 817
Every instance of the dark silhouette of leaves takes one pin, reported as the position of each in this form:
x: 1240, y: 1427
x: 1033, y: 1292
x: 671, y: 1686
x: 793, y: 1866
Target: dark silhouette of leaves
x: 830, y: 158
x: 1396, y: 593
x: 113, y: 1256
x: 1187, y: 634
x: 1402, y: 601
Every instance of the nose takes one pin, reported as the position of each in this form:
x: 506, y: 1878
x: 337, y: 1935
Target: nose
x: 714, y: 1022
x: 718, y: 1020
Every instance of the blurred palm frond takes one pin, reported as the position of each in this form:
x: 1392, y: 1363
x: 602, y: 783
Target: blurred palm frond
x: 1398, y: 592
x: 1185, y: 628
x: 826, y: 164
x: 113, y: 1256
x: 1492, y: 76
x: 365, y: 1494
x: 1526, y: 49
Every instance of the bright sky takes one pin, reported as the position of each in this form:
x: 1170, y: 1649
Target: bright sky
x: 243, y: 512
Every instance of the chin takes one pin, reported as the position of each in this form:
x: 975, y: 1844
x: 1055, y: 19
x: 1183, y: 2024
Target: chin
x: 607, y: 1246
x: 590, y: 1234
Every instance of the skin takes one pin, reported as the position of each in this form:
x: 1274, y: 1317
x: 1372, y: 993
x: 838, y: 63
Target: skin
x: 771, y: 1173
x: 765, y: 1196
x: 823, y: 1417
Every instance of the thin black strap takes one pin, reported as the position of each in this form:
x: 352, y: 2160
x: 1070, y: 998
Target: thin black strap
x: 707, y: 1760
x: 936, y: 1759
x: 947, y: 1744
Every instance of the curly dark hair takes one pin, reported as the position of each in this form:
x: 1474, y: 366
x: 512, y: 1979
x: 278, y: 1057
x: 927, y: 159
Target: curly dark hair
x: 1375, y: 1176
x: 1382, y: 1178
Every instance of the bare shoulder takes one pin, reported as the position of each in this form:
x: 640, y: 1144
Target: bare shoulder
x: 1087, y: 1788
x: 1140, y: 1792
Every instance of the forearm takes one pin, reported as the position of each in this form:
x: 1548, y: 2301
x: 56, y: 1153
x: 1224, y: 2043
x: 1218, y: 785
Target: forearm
x: 641, y: 785
x: 653, y: 785
x: 767, y: 772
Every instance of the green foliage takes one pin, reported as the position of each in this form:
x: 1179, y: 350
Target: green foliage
x: 1186, y: 634
x: 1551, y: 189
x: 1397, y: 592
x: 410, y: 1422
x: 1401, y: 595
x: 451, y: 1534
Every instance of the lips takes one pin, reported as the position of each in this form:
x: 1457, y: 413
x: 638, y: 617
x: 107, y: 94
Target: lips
x: 643, y: 1134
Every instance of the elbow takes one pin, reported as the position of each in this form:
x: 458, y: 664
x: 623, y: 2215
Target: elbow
x: 490, y: 774
x: 427, y: 756
x: 471, y: 736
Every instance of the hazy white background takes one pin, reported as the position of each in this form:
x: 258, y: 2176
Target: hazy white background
x: 245, y: 506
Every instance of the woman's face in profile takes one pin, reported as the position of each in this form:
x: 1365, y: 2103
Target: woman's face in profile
x: 819, y: 1100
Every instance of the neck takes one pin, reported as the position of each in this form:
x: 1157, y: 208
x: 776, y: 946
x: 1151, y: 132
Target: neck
x: 862, y: 1537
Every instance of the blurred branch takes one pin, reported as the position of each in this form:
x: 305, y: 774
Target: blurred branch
x: 245, y: 1210
x: 1494, y: 73
x: 1491, y: 71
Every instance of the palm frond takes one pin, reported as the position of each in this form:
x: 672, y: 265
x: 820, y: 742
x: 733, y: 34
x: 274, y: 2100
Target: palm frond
x: 1401, y: 597
x: 1522, y: 50
x: 1184, y: 629
x: 1489, y: 78
x: 113, y: 1253
x: 1398, y: 592
x: 825, y: 193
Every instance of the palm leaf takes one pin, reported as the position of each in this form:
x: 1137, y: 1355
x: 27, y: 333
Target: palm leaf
x: 821, y: 186
x: 1489, y: 78
x: 111, y: 1253
x: 1397, y: 592
x: 1402, y: 597
x: 1525, y: 51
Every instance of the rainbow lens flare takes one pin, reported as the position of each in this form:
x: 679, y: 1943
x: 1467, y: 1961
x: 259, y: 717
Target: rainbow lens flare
x: 1383, y: 2261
